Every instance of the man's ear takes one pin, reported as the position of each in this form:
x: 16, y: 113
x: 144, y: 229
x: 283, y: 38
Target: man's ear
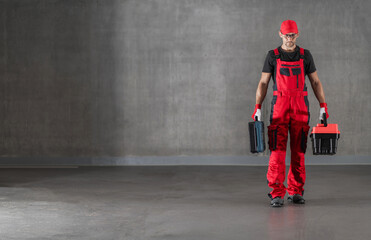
x: 280, y: 34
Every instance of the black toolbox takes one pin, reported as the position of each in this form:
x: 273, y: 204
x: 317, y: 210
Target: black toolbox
x: 257, y: 140
x: 325, y: 138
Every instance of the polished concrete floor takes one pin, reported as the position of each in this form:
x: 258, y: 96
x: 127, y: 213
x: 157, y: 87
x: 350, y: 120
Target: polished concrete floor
x: 180, y: 202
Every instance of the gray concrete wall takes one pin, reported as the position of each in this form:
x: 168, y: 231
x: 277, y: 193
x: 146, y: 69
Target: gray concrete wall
x: 166, y: 77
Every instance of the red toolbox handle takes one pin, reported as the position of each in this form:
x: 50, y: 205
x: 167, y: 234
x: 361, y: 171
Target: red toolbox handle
x: 324, y: 121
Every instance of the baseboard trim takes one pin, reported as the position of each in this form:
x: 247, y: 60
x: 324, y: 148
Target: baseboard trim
x: 175, y: 160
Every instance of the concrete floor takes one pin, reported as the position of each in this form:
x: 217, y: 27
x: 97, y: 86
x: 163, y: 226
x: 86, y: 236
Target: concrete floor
x: 180, y: 202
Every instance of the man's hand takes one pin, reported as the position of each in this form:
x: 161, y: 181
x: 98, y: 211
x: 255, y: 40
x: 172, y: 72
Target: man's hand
x: 257, y: 112
x: 323, y: 110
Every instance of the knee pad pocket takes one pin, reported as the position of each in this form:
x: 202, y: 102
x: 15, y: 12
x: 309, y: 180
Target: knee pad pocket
x: 272, y: 137
x: 304, y: 137
x: 277, y: 137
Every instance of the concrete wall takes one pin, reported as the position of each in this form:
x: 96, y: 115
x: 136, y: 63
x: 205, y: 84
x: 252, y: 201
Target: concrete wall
x: 168, y: 77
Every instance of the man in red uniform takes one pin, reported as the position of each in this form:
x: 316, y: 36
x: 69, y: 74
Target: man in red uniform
x: 288, y: 65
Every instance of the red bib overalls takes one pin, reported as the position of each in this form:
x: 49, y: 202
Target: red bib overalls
x: 290, y: 113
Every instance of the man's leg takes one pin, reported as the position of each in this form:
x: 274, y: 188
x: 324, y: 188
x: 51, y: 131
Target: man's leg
x: 277, y: 135
x: 298, y: 145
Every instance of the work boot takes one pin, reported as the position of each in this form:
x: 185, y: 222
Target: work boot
x: 277, y: 202
x: 296, y: 198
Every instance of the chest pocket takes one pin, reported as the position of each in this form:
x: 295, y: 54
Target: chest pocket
x: 296, y: 71
x: 285, y: 71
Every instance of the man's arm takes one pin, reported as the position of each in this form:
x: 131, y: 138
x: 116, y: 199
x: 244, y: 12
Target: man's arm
x: 262, y: 87
x: 317, y: 87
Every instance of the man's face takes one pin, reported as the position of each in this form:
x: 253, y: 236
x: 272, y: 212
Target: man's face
x: 289, y: 39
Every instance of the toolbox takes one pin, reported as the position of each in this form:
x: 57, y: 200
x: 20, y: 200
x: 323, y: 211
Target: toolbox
x: 257, y: 142
x: 325, y: 138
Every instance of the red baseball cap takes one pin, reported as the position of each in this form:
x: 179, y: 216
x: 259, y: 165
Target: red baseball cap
x: 289, y: 26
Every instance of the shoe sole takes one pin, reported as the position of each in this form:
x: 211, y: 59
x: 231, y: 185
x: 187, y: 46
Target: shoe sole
x: 276, y: 206
x: 297, y: 202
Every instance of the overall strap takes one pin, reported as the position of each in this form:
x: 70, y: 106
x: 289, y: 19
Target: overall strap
x: 302, y: 53
x: 276, y: 53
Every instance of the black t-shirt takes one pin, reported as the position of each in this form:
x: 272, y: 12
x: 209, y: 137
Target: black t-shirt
x: 270, y: 60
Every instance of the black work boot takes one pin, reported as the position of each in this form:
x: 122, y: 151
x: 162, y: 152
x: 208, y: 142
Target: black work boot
x: 296, y: 198
x: 277, y: 202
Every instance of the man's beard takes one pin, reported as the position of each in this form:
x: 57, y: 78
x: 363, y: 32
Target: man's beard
x: 289, y: 44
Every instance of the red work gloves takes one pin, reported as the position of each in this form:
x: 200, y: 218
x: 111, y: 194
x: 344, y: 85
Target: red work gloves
x: 257, y: 112
x: 323, y: 110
